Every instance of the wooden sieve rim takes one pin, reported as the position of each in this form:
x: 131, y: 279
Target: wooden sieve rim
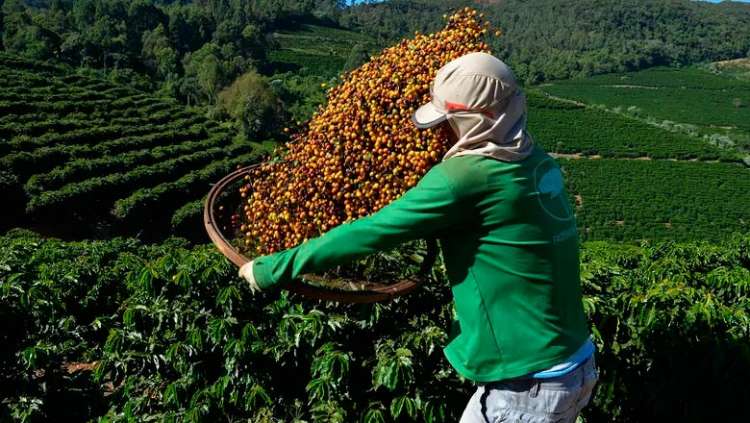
x: 372, y: 293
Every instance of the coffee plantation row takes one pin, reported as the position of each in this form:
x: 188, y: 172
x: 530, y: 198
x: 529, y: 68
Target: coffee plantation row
x: 628, y: 200
x: 123, y: 331
x: 80, y: 169
x: 570, y: 128
x: 159, y: 172
x: 713, y: 103
x: 78, y: 150
x: 141, y: 202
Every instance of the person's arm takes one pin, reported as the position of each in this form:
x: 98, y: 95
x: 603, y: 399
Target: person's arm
x: 422, y: 211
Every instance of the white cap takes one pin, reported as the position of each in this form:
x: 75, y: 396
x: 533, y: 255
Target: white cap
x: 476, y: 82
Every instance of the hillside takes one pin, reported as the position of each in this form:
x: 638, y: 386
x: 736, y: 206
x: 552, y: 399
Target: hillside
x: 685, y: 197
x: 558, y: 39
x: 192, y: 49
x: 572, y: 128
x: 81, y: 155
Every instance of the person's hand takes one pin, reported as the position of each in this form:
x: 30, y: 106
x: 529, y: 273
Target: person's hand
x: 246, y: 271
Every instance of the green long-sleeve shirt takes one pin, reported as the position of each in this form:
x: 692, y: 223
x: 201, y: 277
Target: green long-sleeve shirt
x: 510, y: 247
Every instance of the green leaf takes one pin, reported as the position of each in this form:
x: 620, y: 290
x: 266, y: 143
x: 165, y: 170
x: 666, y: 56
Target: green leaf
x: 374, y: 416
x: 403, y: 404
x: 434, y: 412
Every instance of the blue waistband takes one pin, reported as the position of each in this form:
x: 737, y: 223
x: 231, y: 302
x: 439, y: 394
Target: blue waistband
x: 571, y: 363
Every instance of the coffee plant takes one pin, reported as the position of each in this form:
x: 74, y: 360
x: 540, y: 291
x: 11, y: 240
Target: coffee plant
x: 686, y: 200
x: 122, y: 331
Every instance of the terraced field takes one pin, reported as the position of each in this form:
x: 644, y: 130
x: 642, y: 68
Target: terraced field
x: 75, y: 147
x: 316, y: 50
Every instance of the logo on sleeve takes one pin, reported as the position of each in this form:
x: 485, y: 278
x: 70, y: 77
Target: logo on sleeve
x: 549, y: 183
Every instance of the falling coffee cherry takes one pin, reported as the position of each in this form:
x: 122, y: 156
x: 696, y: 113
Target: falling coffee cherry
x: 360, y: 151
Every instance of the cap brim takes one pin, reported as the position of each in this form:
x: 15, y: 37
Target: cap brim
x: 428, y: 116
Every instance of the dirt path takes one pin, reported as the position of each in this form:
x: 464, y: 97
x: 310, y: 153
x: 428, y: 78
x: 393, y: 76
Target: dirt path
x: 645, y: 87
x: 578, y: 156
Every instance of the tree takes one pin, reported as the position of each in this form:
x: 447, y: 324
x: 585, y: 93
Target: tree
x: 143, y: 16
x: 22, y: 35
x: 158, y: 55
x: 251, y: 101
x: 188, y: 28
x: 357, y: 56
x: 205, y: 68
x: 2, y: 25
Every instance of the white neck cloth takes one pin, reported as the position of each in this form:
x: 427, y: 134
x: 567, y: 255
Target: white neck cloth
x: 499, y: 133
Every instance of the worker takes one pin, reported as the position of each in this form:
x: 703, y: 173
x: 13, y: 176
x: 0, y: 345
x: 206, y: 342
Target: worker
x: 498, y: 205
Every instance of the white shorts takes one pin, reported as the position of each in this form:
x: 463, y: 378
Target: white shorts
x: 558, y: 399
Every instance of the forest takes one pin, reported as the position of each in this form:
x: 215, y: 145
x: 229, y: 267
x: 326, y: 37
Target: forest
x: 192, y: 49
